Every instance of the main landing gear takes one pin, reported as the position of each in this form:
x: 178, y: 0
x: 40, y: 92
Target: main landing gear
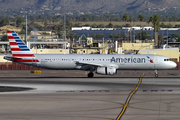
x: 90, y: 75
x: 156, y: 73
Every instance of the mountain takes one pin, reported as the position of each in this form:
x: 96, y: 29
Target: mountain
x: 91, y: 6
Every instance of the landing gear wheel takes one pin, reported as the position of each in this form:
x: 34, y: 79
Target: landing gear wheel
x: 90, y: 75
x: 156, y: 75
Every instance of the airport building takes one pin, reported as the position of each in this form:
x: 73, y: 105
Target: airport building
x: 129, y: 31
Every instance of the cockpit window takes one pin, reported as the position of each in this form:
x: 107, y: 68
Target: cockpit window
x: 167, y: 60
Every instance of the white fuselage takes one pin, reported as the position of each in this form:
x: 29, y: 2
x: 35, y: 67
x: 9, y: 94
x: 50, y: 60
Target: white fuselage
x: 127, y: 61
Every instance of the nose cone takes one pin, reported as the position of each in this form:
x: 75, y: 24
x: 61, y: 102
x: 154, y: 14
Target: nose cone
x: 173, y: 64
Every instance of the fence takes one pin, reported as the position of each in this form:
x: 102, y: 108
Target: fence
x: 17, y: 66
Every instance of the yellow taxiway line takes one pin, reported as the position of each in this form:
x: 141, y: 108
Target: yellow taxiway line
x: 129, y: 98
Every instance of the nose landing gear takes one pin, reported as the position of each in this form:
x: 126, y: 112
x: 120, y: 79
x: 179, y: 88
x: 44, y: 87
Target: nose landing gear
x: 156, y: 73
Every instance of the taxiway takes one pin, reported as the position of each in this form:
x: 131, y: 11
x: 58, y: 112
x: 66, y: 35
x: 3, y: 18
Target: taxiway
x: 81, y: 98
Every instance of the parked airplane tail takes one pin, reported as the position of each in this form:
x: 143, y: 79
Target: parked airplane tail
x: 20, y: 52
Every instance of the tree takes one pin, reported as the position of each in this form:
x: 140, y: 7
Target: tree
x: 101, y: 26
x: 117, y: 26
x: 140, y: 18
x: 45, y: 24
x: 77, y: 25
x: 4, y: 38
x: 117, y: 35
x: 110, y: 25
x: 94, y: 25
x: 56, y: 27
x: 175, y: 36
x: 15, y: 19
x: 155, y: 21
x: 75, y: 35
x: 125, y: 17
x: 127, y: 25
x: 177, y: 26
x: 169, y: 25
x: 99, y: 35
x: 4, y: 22
x: 143, y: 35
x: 163, y: 25
x: 94, y: 36
x: 19, y: 21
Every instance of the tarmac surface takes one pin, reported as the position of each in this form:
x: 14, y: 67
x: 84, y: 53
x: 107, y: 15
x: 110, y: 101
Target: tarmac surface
x: 67, y: 95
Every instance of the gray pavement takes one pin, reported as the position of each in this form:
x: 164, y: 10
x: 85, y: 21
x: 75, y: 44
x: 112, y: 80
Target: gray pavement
x: 79, y: 98
x: 78, y: 73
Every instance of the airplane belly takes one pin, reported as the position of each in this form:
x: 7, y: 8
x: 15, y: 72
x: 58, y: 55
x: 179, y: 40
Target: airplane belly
x: 136, y: 66
x: 58, y: 65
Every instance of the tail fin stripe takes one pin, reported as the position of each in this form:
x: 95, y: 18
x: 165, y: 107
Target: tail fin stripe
x: 21, y: 47
x: 23, y: 55
x: 9, y: 34
x: 27, y: 60
x: 23, y: 52
x: 20, y: 43
x: 10, y: 37
x: 24, y: 49
x: 13, y: 43
x: 18, y: 40
x: 12, y: 40
x: 15, y: 35
x: 14, y: 46
x: 18, y: 49
x: 15, y: 49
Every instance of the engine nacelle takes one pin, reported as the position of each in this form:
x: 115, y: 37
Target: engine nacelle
x: 106, y: 70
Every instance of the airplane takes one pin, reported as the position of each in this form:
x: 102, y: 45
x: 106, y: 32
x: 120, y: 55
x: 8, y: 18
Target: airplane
x: 102, y: 64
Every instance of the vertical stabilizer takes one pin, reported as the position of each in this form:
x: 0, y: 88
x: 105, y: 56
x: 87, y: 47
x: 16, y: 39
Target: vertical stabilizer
x: 19, y: 49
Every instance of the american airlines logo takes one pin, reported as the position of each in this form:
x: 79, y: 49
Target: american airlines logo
x: 128, y: 60
x: 150, y: 60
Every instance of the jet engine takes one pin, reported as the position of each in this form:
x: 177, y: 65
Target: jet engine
x: 106, y: 70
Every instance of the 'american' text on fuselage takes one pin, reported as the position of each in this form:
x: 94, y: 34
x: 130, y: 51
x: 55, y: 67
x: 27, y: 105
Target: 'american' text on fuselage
x: 128, y: 60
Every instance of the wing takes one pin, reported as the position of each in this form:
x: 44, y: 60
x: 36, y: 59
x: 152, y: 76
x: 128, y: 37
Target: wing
x: 87, y: 65
x: 92, y: 65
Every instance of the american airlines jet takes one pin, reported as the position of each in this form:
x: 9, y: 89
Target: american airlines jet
x: 102, y: 64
